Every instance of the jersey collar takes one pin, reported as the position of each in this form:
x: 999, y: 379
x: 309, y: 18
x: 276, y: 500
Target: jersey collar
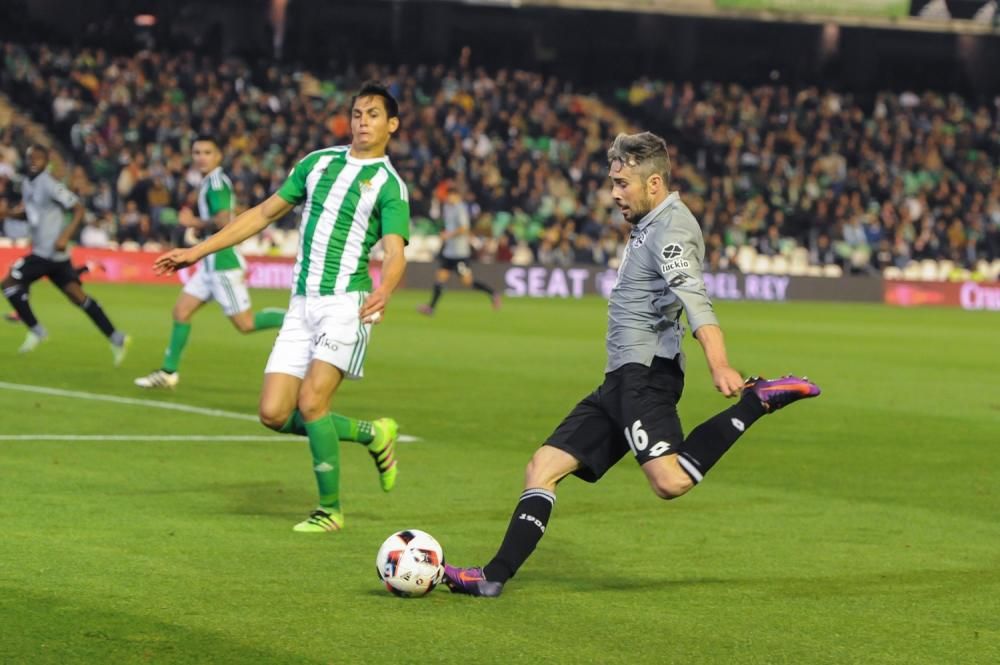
x: 673, y: 198
x: 217, y: 169
x: 351, y: 159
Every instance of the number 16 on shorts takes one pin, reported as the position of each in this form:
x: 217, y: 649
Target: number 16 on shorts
x: 638, y: 441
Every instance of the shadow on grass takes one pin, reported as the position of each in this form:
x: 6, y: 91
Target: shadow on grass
x: 42, y: 629
x: 894, y: 582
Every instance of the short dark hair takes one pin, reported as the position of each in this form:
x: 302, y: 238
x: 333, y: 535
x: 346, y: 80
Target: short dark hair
x: 38, y: 147
x: 207, y: 138
x: 376, y: 89
x: 645, y: 151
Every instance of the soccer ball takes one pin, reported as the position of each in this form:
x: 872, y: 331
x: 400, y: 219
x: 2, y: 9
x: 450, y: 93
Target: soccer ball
x: 410, y: 563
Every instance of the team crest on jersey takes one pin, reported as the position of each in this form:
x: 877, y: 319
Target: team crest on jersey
x: 639, y: 240
x: 366, y: 185
x: 671, y: 254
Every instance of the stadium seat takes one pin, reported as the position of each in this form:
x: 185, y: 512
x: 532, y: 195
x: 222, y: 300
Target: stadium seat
x: 152, y: 246
x: 130, y: 246
x: 814, y: 271
x: 892, y: 272
x: 289, y: 244
x: 832, y: 270
x: 761, y: 265
x: 911, y: 271
x: 928, y: 270
x: 6, y: 243
x: 418, y: 250
x: 944, y: 270
x: 798, y: 263
x: 745, y: 258
x: 252, y: 246
x: 779, y: 265
x: 523, y: 256
x: 433, y: 244
x: 994, y: 274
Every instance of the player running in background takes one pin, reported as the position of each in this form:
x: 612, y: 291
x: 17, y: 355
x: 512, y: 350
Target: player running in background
x: 353, y: 197
x: 219, y: 277
x: 456, y: 253
x: 635, y: 409
x: 44, y: 202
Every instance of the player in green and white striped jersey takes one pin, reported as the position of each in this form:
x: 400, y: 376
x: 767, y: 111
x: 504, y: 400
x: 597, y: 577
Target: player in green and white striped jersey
x: 351, y: 198
x: 220, y: 276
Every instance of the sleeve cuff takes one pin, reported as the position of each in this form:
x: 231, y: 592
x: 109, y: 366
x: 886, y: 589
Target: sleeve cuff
x: 702, y: 319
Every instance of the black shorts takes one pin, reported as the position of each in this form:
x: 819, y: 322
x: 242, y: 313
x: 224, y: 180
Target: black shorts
x: 31, y: 268
x: 461, y: 266
x: 635, y: 409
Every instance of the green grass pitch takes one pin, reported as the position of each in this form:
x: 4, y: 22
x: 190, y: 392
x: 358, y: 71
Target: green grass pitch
x: 861, y: 527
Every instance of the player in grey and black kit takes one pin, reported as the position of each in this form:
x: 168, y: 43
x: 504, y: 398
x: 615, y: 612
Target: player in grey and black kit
x: 635, y: 409
x: 45, y: 201
x: 456, y: 253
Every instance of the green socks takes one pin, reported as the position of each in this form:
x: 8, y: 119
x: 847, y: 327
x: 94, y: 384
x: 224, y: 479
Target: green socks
x: 178, y: 340
x: 325, y: 447
x: 262, y: 320
x: 268, y: 318
x: 348, y: 429
x: 294, y: 425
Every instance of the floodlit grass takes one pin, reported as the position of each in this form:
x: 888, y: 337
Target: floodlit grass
x: 861, y: 527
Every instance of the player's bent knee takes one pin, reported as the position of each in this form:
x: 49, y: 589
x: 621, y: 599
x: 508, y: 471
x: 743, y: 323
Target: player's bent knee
x: 311, y: 406
x: 273, y: 418
x: 546, y: 468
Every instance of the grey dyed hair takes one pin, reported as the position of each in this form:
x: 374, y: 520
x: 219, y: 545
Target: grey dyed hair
x: 646, y: 152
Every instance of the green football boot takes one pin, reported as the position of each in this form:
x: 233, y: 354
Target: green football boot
x: 383, y: 451
x: 321, y: 521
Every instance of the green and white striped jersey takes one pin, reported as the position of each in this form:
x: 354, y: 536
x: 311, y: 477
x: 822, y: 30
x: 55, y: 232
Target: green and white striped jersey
x: 214, y: 196
x: 350, y: 204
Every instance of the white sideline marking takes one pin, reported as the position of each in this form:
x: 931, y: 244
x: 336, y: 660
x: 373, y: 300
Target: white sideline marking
x: 78, y: 394
x: 156, y: 404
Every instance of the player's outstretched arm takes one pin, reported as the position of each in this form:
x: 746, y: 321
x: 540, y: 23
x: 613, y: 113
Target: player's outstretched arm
x: 726, y: 379
x: 250, y: 223
x: 393, y: 267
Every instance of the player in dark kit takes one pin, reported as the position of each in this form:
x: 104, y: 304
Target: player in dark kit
x: 456, y: 253
x: 45, y: 201
x: 635, y: 409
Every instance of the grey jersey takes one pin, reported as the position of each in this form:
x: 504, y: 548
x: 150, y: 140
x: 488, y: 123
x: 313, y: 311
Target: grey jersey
x: 46, y: 201
x: 660, y: 275
x: 456, y: 216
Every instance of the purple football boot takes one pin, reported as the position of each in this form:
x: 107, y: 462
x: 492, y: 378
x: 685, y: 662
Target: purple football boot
x: 777, y: 393
x: 471, y: 582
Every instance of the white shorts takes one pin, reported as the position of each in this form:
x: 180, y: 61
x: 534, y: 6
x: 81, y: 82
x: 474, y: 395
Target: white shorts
x: 325, y: 328
x: 227, y: 287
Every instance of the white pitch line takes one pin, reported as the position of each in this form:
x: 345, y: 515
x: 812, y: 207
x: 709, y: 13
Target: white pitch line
x: 97, y: 397
x: 156, y: 404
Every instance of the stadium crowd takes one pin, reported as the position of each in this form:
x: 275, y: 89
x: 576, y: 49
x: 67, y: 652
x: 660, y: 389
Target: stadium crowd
x: 865, y: 186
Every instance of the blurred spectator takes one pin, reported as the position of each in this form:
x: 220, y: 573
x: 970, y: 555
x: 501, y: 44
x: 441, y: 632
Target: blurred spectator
x: 860, y: 183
